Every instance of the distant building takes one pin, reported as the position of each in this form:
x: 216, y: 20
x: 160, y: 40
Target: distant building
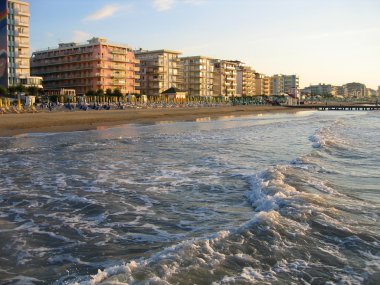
x: 94, y: 65
x: 159, y: 71
x: 284, y: 84
x: 14, y: 45
x: 246, y: 83
x: 322, y: 90
x: 225, y: 78
x: 262, y: 84
x: 354, y: 90
x: 371, y: 92
x: 198, y: 75
x: 305, y: 91
x: 339, y: 90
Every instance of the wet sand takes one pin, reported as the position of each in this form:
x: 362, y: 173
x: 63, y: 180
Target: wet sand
x: 66, y: 121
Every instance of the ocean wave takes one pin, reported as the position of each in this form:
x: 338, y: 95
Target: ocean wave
x: 329, y: 136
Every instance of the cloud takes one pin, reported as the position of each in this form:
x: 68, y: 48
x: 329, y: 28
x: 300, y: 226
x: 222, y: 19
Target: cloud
x: 80, y: 36
x: 163, y: 5
x: 104, y: 13
x: 195, y: 2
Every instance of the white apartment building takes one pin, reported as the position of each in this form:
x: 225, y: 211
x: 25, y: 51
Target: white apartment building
x: 198, y: 75
x: 159, y: 71
x: 284, y: 84
x: 246, y: 83
x: 14, y: 35
x: 225, y: 78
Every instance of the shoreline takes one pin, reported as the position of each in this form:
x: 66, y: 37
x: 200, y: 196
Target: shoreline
x: 69, y: 121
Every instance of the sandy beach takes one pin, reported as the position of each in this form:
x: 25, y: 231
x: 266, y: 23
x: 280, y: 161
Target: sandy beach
x: 66, y: 121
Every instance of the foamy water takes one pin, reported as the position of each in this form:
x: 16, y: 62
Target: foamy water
x: 270, y: 199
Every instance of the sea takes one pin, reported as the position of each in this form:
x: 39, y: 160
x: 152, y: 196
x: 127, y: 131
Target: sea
x: 256, y: 199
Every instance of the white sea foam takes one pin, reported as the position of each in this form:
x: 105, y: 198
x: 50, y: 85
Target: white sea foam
x: 269, y: 190
x: 190, y: 250
x: 321, y: 186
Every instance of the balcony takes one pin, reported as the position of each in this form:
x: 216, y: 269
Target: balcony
x: 21, y: 54
x: 119, y: 59
x: 21, y: 23
x: 21, y: 12
x: 22, y: 34
x: 22, y: 65
x: 118, y: 67
x: 21, y: 44
x: 118, y: 75
x: 118, y: 52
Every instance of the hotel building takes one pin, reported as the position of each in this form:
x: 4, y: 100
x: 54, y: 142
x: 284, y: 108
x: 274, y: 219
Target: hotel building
x: 284, y: 84
x: 225, y: 78
x: 262, y: 84
x: 198, y: 75
x: 94, y: 65
x: 14, y: 45
x: 159, y: 71
x: 321, y: 89
x: 246, y: 83
x: 354, y: 90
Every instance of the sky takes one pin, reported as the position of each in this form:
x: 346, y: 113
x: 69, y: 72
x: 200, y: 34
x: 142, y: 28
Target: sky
x: 323, y: 41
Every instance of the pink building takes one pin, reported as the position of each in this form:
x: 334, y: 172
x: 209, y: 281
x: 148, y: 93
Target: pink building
x: 83, y: 67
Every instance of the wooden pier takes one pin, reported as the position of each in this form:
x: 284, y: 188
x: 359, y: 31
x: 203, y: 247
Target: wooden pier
x: 335, y: 107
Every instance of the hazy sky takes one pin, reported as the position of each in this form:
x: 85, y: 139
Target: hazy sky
x: 327, y: 41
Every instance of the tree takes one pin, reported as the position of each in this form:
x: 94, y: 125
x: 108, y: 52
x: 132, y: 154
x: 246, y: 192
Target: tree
x: 117, y: 92
x: 3, y: 91
x: 33, y: 90
x: 100, y: 92
x: 12, y: 90
x: 21, y: 88
x: 90, y: 93
x: 109, y: 92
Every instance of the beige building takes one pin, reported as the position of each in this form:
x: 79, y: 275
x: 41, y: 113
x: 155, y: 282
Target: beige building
x: 262, y: 84
x: 371, y: 92
x: 246, y: 82
x: 225, y: 78
x: 198, y: 75
x: 354, y: 90
x: 15, y: 44
x: 97, y: 64
x: 284, y: 84
x: 159, y: 71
